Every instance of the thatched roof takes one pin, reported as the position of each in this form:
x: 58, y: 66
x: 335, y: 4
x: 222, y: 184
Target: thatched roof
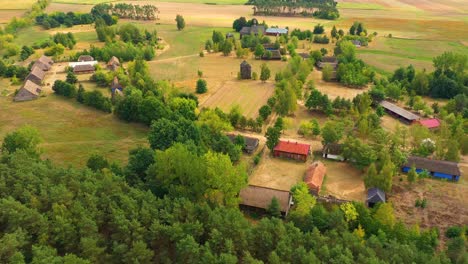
x: 446, y: 167
x: 32, y: 87
x: 36, y: 72
x: 333, y: 149
x: 314, y: 175
x: 304, y: 55
x: 399, y: 111
x: 260, y: 197
x: 46, y: 60
x: 251, y: 143
x: 113, y: 61
x: 252, y: 30
x: 83, y: 68
x: 41, y: 65
x: 275, y: 55
x: 85, y: 58
x: 115, y: 84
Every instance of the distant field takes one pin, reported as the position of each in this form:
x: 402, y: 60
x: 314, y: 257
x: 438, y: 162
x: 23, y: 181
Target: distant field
x: 19, y: 4
x: 71, y: 132
x: 368, y: 6
x: 31, y: 35
x: 210, y: 2
x: 6, y: 15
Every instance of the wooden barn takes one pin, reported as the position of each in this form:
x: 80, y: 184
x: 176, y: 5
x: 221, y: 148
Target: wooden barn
x: 328, y: 60
x: 436, y: 168
x: 259, y: 198
x: 46, y: 60
x: 276, y: 31
x: 430, y: 123
x: 84, y: 68
x: 292, y: 150
x: 113, y: 64
x: 36, y: 76
x: 29, y: 91
x: 314, y: 177
x: 375, y: 196
x: 333, y: 151
x: 245, y: 71
x: 401, y: 114
x: 253, y: 30
x: 41, y: 65
x: 251, y: 143
x: 85, y: 58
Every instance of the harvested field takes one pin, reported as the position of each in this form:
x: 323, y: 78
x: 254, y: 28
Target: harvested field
x: 12, y: 5
x: 390, y: 123
x: 344, y: 181
x: 6, y: 15
x: 333, y: 89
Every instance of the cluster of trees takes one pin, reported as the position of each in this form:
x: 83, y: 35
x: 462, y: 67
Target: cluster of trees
x: 321, y: 39
x: 219, y: 42
x: 123, y: 51
x: 351, y: 71
x: 125, y: 10
x: 301, y: 35
x: 319, y: 101
x: 358, y: 29
x: 26, y: 51
x: 180, y: 22
x: 90, y: 98
x: 240, y: 121
x: 27, y: 19
x: 9, y: 70
x: 325, y: 9
x: 68, y: 19
x: 241, y: 22
x: 66, y: 39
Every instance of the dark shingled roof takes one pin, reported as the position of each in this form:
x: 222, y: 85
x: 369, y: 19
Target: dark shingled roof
x: 375, y: 195
x: 333, y: 149
x: 41, y: 65
x: 304, y: 55
x: 399, y: 111
x: 40, y: 74
x: 32, y: 87
x: 447, y: 167
x: 260, y: 197
x: 253, y: 29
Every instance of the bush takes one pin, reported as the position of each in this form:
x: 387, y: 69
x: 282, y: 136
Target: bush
x: 201, y: 86
x: 454, y: 231
x: 257, y: 158
x: 202, y: 54
x: 254, y: 76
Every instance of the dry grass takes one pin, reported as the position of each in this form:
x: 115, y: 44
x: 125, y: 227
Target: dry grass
x: 6, y: 15
x: 12, y: 5
x: 344, y: 181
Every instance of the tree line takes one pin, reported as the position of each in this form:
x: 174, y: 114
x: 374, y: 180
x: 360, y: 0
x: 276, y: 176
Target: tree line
x: 325, y: 9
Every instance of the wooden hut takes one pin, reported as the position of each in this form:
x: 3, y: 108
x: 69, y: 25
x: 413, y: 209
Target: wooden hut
x: 259, y: 198
x: 292, y: 150
x: 333, y: 151
x: 245, y: 70
x: 251, y: 143
x: 84, y: 68
x: 314, y: 177
x: 375, y: 196
x: 36, y: 76
x: 29, y: 91
x: 85, y: 58
x: 113, y: 64
x: 436, y: 168
x: 276, y: 31
x: 327, y: 60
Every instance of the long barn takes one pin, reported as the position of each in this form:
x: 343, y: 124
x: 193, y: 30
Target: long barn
x: 402, y: 114
x: 437, y: 168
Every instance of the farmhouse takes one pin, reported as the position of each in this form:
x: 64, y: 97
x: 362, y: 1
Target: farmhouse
x: 245, y: 70
x: 333, y: 151
x: 251, y: 143
x: 276, y: 31
x: 374, y: 196
x: 257, y: 197
x: 399, y: 113
x: 85, y: 58
x: 314, y: 177
x: 292, y: 150
x: 113, y: 63
x: 253, y: 30
x: 328, y: 60
x: 84, y: 68
x: 436, y: 168
x: 36, y: 76
x: 431, y: 123
x: 29, y: 91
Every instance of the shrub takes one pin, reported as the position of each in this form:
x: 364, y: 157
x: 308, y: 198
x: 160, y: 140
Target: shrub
x: 201, y: 86
x: 202, y: 54
x: 454, y: 231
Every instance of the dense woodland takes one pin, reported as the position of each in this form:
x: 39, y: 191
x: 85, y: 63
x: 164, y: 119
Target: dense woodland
x: 325, y: 9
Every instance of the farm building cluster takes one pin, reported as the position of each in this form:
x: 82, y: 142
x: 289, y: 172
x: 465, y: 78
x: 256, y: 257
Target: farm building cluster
x: 31, y: 88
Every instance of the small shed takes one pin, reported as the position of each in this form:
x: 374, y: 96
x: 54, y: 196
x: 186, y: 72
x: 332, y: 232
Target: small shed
x: 258, y: 197
x: 85, y: 58
x: 442, y: 169
x: 304, y: 55
x: 36, y: 76
x: 375, y: 196
x: 314, y: 177
x: 292, y: 150
x: 84, y: 68
x: 113, y: 63
x: 333, y: 151
x: 245, y: 70
x: 29, y: 91
x: 401, y: 114
x: 251, y: 143
x: 430, y: 123
x: 275, y: 55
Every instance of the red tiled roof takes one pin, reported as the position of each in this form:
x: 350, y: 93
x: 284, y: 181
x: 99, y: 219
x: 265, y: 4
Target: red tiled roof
x: 430, y: 123
x: 293, y: 147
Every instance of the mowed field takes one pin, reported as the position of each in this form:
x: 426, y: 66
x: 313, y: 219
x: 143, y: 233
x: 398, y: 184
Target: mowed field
x: 72, y: 132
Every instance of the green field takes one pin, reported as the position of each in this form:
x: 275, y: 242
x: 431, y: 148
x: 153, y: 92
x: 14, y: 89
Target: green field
x: 210, y: 2
x: 31, y: 35
x: 70, y: 131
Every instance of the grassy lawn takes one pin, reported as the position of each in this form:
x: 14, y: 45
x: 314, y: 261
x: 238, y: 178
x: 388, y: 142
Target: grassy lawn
x: 22, y: 4
x: 70, y: 131
x: 31, y: 35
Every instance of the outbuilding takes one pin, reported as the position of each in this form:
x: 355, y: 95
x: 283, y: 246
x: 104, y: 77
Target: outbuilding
x: 333, y: 151
x: 85, y: 58
x: 84, y: 68
x: 29, y: 91
x: 401, y: 114
x: 327, y: 60
x: 46, y: 60
x: 314, y: 177
x: 375, y: 196
x: 113, y: 64
x: 36, y: 76
x: 245, y: 70
x: 251, y: 143
x: 253, y: 30
x: 41, y: 65
x: 442, y: 169
x: 259, y: 198
x: 276, y: 31
x: 292, y: 150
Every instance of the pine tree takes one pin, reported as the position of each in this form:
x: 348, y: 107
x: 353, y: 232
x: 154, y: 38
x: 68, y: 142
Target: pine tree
x: 274, y: 208
x: 334, y: 32
x: 412, y: 175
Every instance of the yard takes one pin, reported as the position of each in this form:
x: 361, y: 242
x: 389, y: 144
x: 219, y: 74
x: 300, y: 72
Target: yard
x: 344, y: 181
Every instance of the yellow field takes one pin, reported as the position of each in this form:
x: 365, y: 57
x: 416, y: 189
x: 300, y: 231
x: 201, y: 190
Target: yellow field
x: 21, y: 4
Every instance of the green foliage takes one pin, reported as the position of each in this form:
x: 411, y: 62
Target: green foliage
x: 412, y: 175
x: 66, y: 39
x: 274, y: 209
x: 264, y: 111
x: 327, y: 73
x: 180, y: 22
x: 332, y: 132
x: 303, y: 200
x: 26, y: 138
x: 202, y: 86
x: 26, y: 51
x: 259, y: 51
x: 272, y: 135
x: 64, y: 88
x: 319, y: 29
x: 264, y: 72
x: 71, y: 78
x: 97, y: 162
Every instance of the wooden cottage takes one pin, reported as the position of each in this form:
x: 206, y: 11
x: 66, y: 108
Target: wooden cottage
x: 276, y: 31
x: 375, y: 196
x: 436, y: 168
x: 314, y: 177
x: 275, y: 55
x: 84, y: 68
x: 253, y: 30
x: 245, y: 71
x: 29, y: 91
x: 113, y: 64
x: 333, y: 151
x: 85, y: 58
x: 46, y: 60
x: 304, y: 55
x: 292, y: 150
x: 251, y: 143
x: 259, y: 198
x: 401, y: 114
x: 36, y: 76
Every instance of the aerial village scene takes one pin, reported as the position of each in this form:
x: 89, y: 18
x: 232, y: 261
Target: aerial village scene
x: 234, y: 131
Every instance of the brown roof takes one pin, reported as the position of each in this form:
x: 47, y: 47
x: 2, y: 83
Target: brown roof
x: 251, y: 143
x: 46, y: 60
x: 85, y: 58
x: 333, y: 149
x: 399, y: 111
x: 38, y: 73
x: 330, y: 59
x: 447, y: 167
x: 83, y: 68
x: 113, y: 61
x: 260, y: 197
x: 32, y: 87
x: 41, y: 65
x: 314, y: 175
x: 304, y: 55
x: 115, y: 83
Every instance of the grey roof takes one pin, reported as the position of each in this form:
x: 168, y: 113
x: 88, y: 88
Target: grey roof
x: 277, y: 31
x: 447, y: 167
x: 253, y: 29
x: 260, y: 197
x: 304, y: 55
x: 375, y: 195
x: 251, y: 143
x: 399, y: 111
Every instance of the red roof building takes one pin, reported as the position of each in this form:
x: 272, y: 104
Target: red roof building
x: 430, y: 123
x: 292, y: 150
x: 314, y: 177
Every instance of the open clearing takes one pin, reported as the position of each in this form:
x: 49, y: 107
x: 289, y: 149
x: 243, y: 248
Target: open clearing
x: 344, y: 181
x: 70, y: 131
